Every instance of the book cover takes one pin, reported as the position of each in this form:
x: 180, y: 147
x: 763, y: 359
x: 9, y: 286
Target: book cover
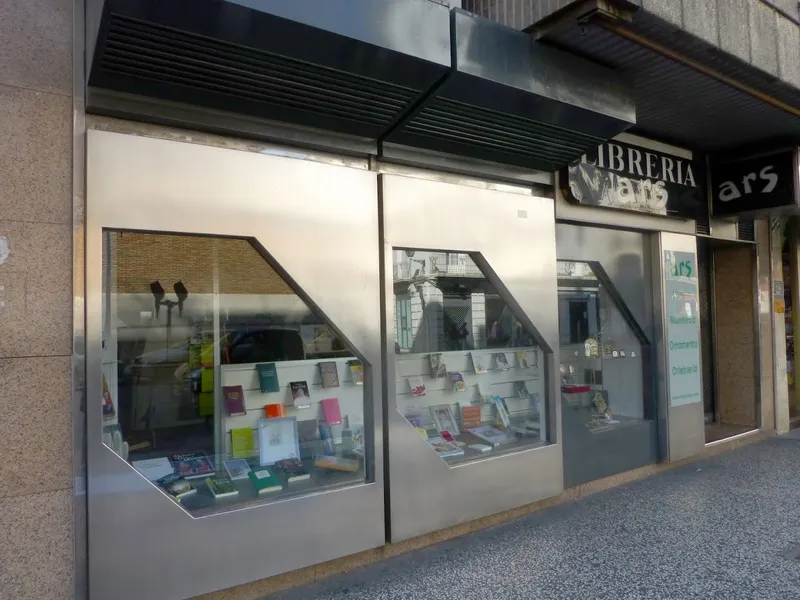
x: 480, y: 447
x: 176, y: 486
x: 233, y: 397
x: 108, y: 405
x: 274, y: 411
x: 438, y: 368
x: 264, y: 480
x: 192, y: 466
x: 293, y: 469
x: 502, y: 411
x: 301, y: 398
x: 207, y: 380
x: 221, y: 487
x: 422, y: 432
x: 326, y: 435
x: 268, y: 378
x: 443, y: 448
x: 522, y: 359
x: 242, y: 445
x: 329, y: 373
x: 330, y: 407
x: 308, y: 431
x: 356, y: 372
x: 470, y: 417
x: 478, y: 363
x: 417, y: 386
x: 154, y: 468
x: 443, y: 418
x: 337, y: 463
x: 237, y: 469
x: 457, y: 381
x: 522, y: 390
x: 501, y: 361
x: 490, y: 435
x: 448, y: 437
x: 205, y: 402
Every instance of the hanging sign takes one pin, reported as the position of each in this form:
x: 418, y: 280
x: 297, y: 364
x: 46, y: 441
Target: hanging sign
x: 683, y: 328
x: 623, y: 176
x: 756, y: 186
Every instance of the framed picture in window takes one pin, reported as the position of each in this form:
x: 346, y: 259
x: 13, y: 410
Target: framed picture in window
x: 444, y: 419
x: 277, y: 440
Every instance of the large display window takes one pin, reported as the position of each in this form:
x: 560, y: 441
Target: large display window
x: 234, y: 363
x: 471, y: 351
x: 222, y: 386
x: 470, y: 373
x: 606, y: 365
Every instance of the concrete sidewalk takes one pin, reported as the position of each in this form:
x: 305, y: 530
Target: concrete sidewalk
x: 721, y: 528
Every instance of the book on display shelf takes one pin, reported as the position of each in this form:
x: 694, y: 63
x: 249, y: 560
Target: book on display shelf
x: 443, y: 418
x: 443, y: 448
x: 221, y: 487
x: 192, y: 466
x: 154, y: 468
x: 264, y: 481
x: 356, y: 372
x: 329, y: 374
x: 470, y: 417
x: 176, y: 486
x: 522, y: 359
x: 417, y: 386
x: 237, y: 469
x: 480, y: 447
x: 490, y: 435
x: 331, y: 410
x: 301, y: 398
x: 438, y: 368
x: 268, y: 378
x: 242, y: 445
x: 457, y: 381
x: 293, y: 469
x: 501, y: 361
x: 502, y: 411
x: 478, y: 362
x: 337, y: 463
x: 233, y: 396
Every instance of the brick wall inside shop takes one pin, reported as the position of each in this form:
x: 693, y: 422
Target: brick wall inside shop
x: 144, y: 258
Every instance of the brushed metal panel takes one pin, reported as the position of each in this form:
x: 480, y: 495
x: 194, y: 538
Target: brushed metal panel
x: 320, y: 223
x: 515, y: 236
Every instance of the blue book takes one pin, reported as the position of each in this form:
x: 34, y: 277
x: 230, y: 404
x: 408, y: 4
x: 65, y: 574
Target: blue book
x: 268, y: 378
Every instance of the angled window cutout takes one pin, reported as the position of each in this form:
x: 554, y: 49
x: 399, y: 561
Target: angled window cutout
x: 470, y: 372
x: 220, y: 384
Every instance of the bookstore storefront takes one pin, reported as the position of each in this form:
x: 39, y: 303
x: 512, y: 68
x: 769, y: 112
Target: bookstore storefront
x: 305, y: 351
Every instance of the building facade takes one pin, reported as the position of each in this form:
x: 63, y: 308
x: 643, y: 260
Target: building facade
x: 288, y: 289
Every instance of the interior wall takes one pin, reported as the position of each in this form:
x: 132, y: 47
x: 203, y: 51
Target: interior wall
x: 737, y: 379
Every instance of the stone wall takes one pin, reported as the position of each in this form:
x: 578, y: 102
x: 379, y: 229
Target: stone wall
x: 36, y: 506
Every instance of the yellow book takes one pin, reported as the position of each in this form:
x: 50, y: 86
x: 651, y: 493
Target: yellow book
x: 206, y: 404
x: 242, y: 442
x: 207, y: 381
x: 207, y: 355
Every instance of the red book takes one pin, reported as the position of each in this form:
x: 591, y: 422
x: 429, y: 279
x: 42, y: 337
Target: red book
x: 274, y: 410
x: 330, y: 406
x: 233, y: 395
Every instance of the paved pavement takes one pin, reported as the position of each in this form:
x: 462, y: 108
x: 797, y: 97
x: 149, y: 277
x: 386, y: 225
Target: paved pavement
x: 721, y: 528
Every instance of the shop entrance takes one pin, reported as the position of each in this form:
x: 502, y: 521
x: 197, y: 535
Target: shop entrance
x: 728, y: 337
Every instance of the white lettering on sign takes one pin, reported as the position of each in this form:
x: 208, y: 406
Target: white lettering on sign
x: 764, y: 182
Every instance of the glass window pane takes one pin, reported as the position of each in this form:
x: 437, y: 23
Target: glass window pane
x: 220, y: 384
x: 470, y: 374
x: 602, y: 358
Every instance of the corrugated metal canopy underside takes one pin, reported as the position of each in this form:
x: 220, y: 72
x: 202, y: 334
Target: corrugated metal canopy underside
x: 679, y: 104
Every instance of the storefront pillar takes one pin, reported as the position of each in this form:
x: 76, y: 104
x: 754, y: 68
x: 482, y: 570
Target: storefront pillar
x: 777, y: 227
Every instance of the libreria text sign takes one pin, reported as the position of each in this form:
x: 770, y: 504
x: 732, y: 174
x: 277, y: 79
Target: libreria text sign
x: 683, y: 328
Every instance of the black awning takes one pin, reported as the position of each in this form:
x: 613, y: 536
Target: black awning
x: 352, y: 66
x: 511, y: 100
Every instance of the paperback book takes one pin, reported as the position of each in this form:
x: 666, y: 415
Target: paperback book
x: 326, y: 435
x: 356, y: 372
x: 192, y: 466
x: 502, y: 411
x: 154, y: 468
x: 501, y: 361
x: 443, y: 448
x: 478, y: 363
x: 176, y: 486
x: 264, y: 481
x: 274, y: 411
x: 470, y: 417
x: 480, y: 447
x: 233, y: 396
x: 242, y: 445
x: 300, y: 396
x: 457, y: 381
x: 221, y: 487
x: 337, y: 463
x: 293, y: 469
x: 268, y: 378
x: 490, y: 435
x: 438, y: 368
x: 329, y: 374
x: 444, y: 419
x: 522, y: 360
x: 330, y: 408
x: 237, y: 469
x: 417, y: 386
